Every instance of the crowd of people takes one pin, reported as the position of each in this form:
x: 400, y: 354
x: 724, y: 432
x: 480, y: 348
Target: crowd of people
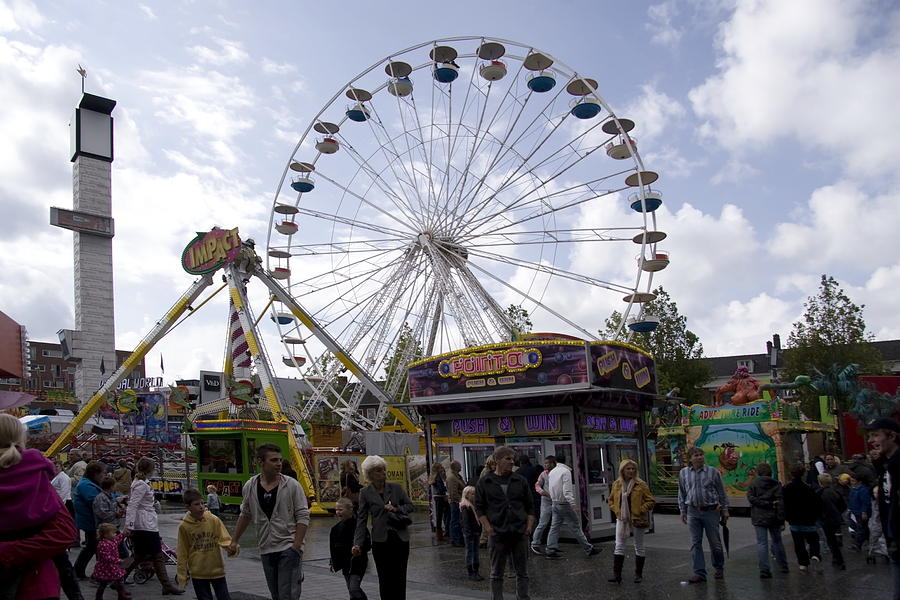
x: 507, y: 511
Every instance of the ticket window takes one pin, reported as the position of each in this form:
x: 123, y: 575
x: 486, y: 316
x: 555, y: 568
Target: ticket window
x: 599, y: 478
x: 475, y: 459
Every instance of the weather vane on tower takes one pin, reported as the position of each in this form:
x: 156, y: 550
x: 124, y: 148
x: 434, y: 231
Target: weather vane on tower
x: 83, y: 72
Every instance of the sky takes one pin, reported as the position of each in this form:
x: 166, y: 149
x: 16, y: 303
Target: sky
x: 773, y: 126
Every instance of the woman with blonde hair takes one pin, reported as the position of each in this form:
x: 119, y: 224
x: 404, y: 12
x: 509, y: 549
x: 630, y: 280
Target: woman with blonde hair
x: 35, y: 526
x: 143, y: 527
x: 632, y: 503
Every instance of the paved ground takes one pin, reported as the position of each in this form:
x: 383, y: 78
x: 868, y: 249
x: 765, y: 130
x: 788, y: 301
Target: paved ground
x: 438, y: 572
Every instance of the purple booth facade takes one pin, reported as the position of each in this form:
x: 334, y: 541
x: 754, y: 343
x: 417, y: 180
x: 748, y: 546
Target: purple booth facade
x: 582, y: 401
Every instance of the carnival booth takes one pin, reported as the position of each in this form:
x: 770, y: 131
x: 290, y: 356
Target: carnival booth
x: 548, y: 395
x: 734, y: 438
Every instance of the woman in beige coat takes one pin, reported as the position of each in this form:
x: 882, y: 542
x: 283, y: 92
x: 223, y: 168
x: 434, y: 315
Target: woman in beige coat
x: 632, y: 503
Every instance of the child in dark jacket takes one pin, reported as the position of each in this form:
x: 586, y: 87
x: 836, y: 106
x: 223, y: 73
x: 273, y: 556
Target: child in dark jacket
x: 802, y: 508
x: 767, y: 516
x: 833, y: 507
x: 471, y: 528
x: 860, y: 507
x: 341, y: 544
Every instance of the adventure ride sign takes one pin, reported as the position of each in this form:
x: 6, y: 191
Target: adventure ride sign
x: 211, y: 251
x: 728, y: 413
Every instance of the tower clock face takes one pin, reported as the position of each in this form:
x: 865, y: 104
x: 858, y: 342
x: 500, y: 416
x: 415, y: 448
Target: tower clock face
x: 95, y: 133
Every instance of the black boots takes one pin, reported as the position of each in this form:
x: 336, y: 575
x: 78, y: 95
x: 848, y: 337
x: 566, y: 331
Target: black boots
x: 639, y: 568
x: 618, y: 561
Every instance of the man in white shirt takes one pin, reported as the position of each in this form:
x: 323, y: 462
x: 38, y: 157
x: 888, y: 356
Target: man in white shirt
x: 76, y: 471
x: 563, y: 511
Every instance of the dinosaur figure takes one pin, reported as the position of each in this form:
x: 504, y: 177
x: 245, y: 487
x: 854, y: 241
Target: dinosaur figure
x: 744, y: 389
x: 799, y: 382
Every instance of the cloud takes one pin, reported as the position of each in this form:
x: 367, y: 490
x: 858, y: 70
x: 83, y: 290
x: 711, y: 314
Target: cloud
x: 275, y: 68
x: 228, y: 52
x: 148, y: 11
x: 653, y: 112
x: 661, y: 17
x: 739, y: 327
x: 840, y: 220
x: 813, y: 71
x: 204, y: 103
x: 18, y: 15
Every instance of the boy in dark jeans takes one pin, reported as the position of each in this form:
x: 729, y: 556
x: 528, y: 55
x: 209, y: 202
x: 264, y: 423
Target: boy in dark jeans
x: 341, y: 544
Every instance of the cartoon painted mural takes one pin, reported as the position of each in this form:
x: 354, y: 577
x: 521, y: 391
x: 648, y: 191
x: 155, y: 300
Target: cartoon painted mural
x: 735, y: 450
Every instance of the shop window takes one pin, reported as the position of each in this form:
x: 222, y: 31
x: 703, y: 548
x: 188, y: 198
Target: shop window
x: 221, y: 456
x: 47, y: 383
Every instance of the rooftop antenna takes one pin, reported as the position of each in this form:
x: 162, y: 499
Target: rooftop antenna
x: 83, y: 72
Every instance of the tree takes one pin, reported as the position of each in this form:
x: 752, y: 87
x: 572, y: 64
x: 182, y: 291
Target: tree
x: 407, y: 349
x: 518, y: 317
x: 830, y: 336
x: 676, y: 349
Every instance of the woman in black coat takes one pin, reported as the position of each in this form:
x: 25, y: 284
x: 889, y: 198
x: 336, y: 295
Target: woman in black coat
x: 833, y: 507
x: 389, y: 506
x: 802, y: 508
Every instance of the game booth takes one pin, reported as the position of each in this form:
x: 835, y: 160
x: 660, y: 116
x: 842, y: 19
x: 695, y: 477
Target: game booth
x: 582, y: 402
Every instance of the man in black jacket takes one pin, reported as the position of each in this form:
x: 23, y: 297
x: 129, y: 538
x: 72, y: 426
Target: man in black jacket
x: 884, y: 436
x: 767, y: 516
x: 504, y: 506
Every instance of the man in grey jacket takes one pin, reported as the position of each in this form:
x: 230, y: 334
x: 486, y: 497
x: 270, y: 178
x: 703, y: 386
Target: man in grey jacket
x: 277, y: 506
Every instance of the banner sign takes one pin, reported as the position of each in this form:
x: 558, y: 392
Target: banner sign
x: 551, y: 365
x: 211, y: 250
x: 469, y: 426
x: 728, y: 413
x: 610, y: 424
x: 622, y: 366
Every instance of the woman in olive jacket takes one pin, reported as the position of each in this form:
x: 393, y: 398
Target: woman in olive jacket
x: 632, y: 503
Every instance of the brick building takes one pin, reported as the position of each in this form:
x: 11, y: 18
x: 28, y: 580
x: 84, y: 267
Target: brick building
x: 51, y: 378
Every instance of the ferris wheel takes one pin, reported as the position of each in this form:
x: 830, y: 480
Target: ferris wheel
x: 445, y: 189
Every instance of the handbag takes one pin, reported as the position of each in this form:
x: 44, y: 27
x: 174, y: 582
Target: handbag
x: 399, y: 520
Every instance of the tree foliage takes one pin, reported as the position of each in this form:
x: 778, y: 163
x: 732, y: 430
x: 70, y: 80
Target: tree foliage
x: 676, y: 349
x: 829, y: 336
x: 520, y: 320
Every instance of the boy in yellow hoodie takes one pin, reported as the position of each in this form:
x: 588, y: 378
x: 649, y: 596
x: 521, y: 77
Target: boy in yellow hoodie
x: 201, y: 538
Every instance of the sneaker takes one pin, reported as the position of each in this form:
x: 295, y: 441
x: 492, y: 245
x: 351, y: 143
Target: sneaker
x: 696, y: 579
x: 552, y: 554
x: 785, y: 569
x: 594, y: 551
x: 719, y: 575
x: 816, y: 564
x: 536, y: 549
x: 476, y: 577
x: 765, y: 575
x: 803, y: 568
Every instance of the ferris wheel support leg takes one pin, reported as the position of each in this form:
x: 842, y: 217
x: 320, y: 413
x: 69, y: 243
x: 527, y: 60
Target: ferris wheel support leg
x: 267, y: 377
x: 145, y: 345
x: 329, y: 342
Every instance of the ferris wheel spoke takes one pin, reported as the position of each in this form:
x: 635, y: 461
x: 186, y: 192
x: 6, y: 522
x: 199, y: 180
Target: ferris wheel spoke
x: 384, y: 187
x: 550, y: 270
x: 556, y: 236
x: 347, y: 247
x: 351, y: 222
x: 338, y: 277
x: 543, y: 212
x: 518, y: 173
x: 504, y: 149
x: 588, y: 334
x: 408, y: 170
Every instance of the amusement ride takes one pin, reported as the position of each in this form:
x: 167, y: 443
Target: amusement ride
x: 440, y: 184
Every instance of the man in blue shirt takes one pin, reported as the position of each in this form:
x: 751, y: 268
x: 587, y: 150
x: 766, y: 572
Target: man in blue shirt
x: 703, y: 503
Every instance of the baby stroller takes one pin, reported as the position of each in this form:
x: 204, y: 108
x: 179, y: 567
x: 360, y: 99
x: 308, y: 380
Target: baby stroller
x: 143, y: 572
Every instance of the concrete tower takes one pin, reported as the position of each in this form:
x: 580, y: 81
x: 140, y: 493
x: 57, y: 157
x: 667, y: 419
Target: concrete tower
x: 92, y: 343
